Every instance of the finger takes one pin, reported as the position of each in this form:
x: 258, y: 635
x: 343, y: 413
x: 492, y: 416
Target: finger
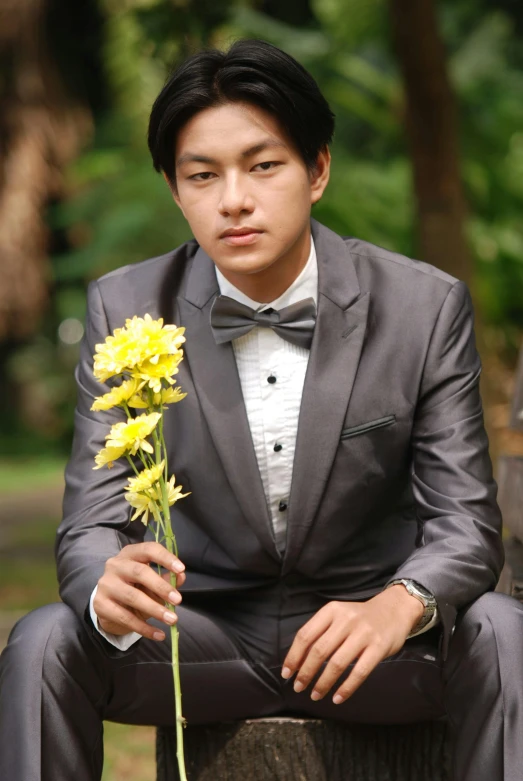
x: 155, y: 596
x: 120, y: 587
x: 134, y: 572
x: 305, y: 637
x: 367, y: 662
x: 321, y: 650
x: 345, y: 654
x: 128, y: 596
x: 181, y: 577
x: 152, y: 551
x: 150, y: 593
x: 124, y: 620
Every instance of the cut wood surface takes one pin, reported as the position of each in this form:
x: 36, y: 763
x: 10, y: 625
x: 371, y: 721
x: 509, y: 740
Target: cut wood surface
x: 293, y: 749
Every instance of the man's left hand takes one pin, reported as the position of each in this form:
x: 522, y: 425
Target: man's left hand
x: 343, y: 632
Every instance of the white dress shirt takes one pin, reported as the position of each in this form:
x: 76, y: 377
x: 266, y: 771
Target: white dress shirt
x: 272, y: 405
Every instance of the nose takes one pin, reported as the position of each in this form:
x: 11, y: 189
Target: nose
x: 234, y: 197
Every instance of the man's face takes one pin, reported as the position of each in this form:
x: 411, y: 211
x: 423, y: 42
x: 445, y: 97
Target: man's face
x: 235, y: 169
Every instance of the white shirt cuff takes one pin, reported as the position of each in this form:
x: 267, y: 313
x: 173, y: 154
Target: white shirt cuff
x: 122, y: 642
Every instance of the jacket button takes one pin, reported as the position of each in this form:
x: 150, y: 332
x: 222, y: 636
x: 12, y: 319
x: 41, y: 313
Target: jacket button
x: 282, y: 506
x: 277, y: 447
x: 271, y: 378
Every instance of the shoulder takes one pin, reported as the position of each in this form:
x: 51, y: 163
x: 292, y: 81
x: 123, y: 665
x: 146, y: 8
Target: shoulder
x: 138, y: 286
x: 147, y: 286
x: 394, y: 264
x: 396, y: 278
x: 150, y: 269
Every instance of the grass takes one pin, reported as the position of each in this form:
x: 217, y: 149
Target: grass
x: 15, y: 472
x: 129, y: 753
x: 38, y: 534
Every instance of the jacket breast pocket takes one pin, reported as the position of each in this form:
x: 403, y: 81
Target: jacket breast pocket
x: 354, y: 431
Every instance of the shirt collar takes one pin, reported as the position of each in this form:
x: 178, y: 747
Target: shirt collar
x: 304, y: 286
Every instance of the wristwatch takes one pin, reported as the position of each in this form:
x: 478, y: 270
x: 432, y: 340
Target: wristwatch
x: 430, y: 614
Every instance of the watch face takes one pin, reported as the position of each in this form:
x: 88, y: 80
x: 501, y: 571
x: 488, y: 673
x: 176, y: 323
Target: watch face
x: 423, y: 591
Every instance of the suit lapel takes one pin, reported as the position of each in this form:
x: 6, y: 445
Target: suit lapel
x: 333, y: 362
x: 217, y: 384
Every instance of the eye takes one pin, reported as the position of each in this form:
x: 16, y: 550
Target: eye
x: 267, y: 163
x: 206, y: 174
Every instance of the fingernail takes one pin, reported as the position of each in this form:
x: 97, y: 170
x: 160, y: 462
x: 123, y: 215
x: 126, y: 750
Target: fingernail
x: 315, y: 695
x: 169, y: 617
x: 159, y: 636
x: 286, y: 672
x: 337, y: 699
x: 299, y: 687
x: 177, y: 566
x: 174, y: 597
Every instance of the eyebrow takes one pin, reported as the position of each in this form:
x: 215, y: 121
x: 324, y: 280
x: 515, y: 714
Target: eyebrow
x: 189, y: 157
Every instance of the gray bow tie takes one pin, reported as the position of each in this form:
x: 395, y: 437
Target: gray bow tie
x: 295, y: 323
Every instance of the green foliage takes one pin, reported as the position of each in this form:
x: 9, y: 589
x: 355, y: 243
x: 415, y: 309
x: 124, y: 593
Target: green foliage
x: 484, y: 65
x: 120, y: 211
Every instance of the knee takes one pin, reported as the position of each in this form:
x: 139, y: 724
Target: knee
x: 487, y: 623
x: 42, y: 629
x: 499, y: 612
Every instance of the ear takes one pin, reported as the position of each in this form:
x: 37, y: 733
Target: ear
x: 174, y: 194
x: 319, y: 178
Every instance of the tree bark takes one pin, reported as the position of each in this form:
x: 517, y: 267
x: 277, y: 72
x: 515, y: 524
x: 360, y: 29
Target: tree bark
x: 40, y: 131
x: 430, y: 118
x: 433, y: 137
x: 292, y: 749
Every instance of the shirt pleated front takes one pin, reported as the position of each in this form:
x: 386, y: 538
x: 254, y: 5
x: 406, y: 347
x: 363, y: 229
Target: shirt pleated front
x: 272, y: 374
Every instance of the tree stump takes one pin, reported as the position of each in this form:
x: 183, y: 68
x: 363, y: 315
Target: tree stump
x: 294, y: 749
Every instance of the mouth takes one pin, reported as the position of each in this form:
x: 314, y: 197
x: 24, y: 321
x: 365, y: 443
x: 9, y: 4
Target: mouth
x: 241, y: 237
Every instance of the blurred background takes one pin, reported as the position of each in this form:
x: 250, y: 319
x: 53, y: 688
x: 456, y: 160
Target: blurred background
x: 427, y: 160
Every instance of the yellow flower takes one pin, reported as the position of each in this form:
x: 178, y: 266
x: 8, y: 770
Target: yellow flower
x: 138, y: 402
x: 143, y: 504
x: 169, y: 396
x: 132, y: 435
x: 146, y: 479
x: 141, y: 340
x: 117, y: 395
x: 166, y: 396
x: 155, y: 369
x: 173, y: 493
x: 151, y: 496
x: 108, y: 456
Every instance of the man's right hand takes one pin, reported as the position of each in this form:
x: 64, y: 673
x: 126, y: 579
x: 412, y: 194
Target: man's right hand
x: 130, y: 591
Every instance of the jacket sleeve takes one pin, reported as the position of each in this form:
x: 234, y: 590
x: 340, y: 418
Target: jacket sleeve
x: 460, y: 553
x: 96, y: 516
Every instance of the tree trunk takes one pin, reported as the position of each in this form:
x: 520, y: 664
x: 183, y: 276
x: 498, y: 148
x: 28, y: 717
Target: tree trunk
x: 432, y: 131
x: 430, y: 119
x: 292, y: 749
x: 40, y: 130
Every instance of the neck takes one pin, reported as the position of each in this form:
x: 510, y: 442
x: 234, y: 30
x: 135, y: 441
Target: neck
x: 269, y: 284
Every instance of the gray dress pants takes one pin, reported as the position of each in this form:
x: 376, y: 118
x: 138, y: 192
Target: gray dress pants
x: 59, y: 680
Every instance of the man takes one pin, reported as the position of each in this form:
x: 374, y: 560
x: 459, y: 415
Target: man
x: 342, y: 528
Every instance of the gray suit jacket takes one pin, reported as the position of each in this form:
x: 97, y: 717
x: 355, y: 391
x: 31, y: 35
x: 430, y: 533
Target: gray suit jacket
x: 392, y: 475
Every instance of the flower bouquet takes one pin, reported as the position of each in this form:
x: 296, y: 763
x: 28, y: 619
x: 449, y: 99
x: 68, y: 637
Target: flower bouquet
x: 144, y: 357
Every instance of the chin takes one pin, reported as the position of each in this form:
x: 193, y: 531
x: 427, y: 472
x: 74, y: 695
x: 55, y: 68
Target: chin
x: 245, y: 265
x: 247, y: 269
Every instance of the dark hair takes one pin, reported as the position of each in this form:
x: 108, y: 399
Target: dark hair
x: 251, y: 71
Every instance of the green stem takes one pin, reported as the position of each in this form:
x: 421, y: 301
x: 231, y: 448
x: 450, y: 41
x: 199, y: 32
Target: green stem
x: 164, y: 446
x: 180, y: 721
x: 128, y: 457
x: 170, y: 543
